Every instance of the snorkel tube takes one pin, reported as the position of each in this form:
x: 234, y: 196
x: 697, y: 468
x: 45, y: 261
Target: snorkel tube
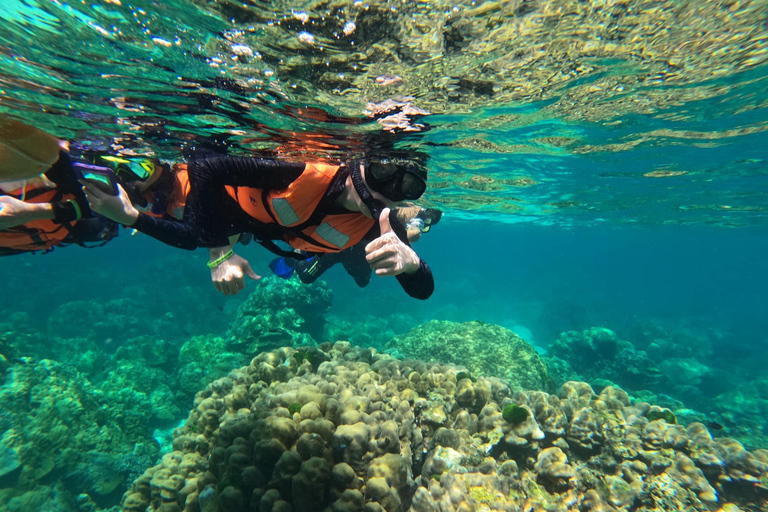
x: 374, y: 205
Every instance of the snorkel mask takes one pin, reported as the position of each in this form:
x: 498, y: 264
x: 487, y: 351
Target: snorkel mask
x: 395, y: 179
x: 139, y: 175
x: 424, y: 219
x: 428, y: 217
x: 135, y: 169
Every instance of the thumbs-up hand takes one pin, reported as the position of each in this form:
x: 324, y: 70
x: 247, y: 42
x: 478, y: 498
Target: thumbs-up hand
x: 388, y: 255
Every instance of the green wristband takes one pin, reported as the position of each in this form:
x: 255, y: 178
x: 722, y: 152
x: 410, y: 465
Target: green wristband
x: 78, y: 213
x: 221, y: 259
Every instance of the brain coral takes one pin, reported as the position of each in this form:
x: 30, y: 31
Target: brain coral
x: 377, y: 434
x: 483, y: 348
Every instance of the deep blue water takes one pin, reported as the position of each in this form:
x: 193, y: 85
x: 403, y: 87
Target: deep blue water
x: 511, y: 274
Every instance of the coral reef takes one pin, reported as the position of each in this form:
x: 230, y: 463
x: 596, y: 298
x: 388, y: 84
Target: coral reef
x: 598, y: 353
x: 368, y: 330
x: 742, y: 412
x: 377, y: 434
x: 65, y: 437
x: 6, y: 354
x: 482, y: 348
x: 91, y: 421
x: 665, y: 369
x: 599, y: 356
x: 114, y: 321
x: 680, y: 340
x: 201, y: 360
x: 62, y: 438
x: 280, y: 312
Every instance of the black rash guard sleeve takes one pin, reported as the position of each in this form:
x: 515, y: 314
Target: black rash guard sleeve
x: 213, y: 207
x: 178, y: 233
x: 209, y: 214
x: 418, y: 285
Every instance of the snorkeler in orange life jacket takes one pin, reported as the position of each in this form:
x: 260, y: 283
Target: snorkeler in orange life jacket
x: 317, y: 207
x: 41, y: 211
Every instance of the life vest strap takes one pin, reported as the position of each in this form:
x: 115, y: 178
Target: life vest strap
x: 273, y: 248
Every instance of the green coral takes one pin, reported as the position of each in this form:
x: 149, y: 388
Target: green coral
x: 465, y: 375
x: 311, y: 354
x: 294, y: 408
x: 479, y: 347
x: 485, y: 496
x: 514, y: 414
x: 663, y: 414
x: 280, y: 312
x: 300, y: 356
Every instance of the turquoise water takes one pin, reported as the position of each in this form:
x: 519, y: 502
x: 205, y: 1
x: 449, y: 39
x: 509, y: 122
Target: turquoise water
x: 599, y: 164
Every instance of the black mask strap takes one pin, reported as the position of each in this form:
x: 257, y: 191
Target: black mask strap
x: 374, y: 205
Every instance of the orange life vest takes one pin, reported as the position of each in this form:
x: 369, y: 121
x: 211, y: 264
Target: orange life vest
x: 37, y: 235
x: 177, y: 199
x: 294, y: 209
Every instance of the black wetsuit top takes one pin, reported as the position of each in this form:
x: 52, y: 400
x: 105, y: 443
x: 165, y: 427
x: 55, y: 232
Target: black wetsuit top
x: 211, y: 215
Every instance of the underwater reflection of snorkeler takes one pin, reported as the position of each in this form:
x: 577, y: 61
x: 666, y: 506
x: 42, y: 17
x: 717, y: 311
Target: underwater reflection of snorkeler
x: 314, y: 207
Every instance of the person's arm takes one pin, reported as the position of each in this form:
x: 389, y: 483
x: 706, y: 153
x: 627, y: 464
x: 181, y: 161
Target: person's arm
x: 391, y: 255
x: 420, y: 284
x: 207, y: 180
x: 177, y: 233
x: 14, y: 212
